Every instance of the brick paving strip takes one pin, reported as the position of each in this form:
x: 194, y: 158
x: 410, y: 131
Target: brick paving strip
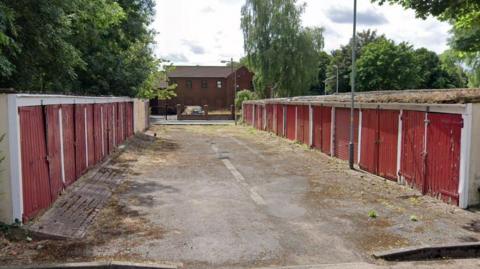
x: 71, y: 215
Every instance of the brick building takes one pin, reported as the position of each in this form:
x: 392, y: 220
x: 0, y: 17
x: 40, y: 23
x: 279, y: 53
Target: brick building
x: 204, y: 85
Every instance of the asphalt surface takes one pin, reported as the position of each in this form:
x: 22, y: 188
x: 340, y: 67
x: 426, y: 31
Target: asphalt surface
x: 233, y: 197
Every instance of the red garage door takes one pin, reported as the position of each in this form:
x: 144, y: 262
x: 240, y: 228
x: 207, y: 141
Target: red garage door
x: 291, y: 121
x: 379, y: 142
x: 98, y: 136
x: 303, y: 123
x: 412, y: 166
x: 279, y: 120
x: 35, y: 179
x: 370, y: 139
x: 90, y: 135
x: 68, y: 123
x: 443, y: 158
x: 110, y: 127
x: 388, y: 144
x: 80, y: 140
x: 54, y: 149
x: 269, y: 115
x: 342, y: 133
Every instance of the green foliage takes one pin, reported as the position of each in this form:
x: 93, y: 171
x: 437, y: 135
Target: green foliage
x: 323, y: 62
x: 383, y: 65
x: 152, y: 87
x: 244, y: 95
x: 79, y: 46
x: 283, y: 54
x: 343, y: 59
x: 372, y: 214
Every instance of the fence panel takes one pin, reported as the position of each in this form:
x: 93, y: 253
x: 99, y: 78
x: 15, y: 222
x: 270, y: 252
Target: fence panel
x: 412, y: 166
x: 443, y: 158
x: 388, y: 143
x: 54, y: 149
x: 35, y: 179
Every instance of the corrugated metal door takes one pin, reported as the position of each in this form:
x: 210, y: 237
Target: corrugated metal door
x: 291, y: 121
x: 54, y: 149
x: 388, y: 143
x: 443, y: 158
x: 109, y: 125
x: 80, y: 140
x: 98, y: 136
x: 342, y: 133
x: 317, y: 127
x: 119, y: 121
x: 412, y: 166
x: 130, y: 119
x: 269, y: 110
x: 326, y: 126
x: 90, y: 135
x: 35, y: 180
x: 279, y: 120
x: 370, y: 139
x: 300, y: 124
x: 68, y: 124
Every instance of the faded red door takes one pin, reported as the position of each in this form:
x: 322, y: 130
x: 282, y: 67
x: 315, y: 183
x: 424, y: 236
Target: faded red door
x: 54, y: 149
x: 97, y: 132
x: 80, y: 140
x: 317, y: 127
x: 35, y: 179
x: 90, y: 135
x: 291, y: 122
x: 279, y: 120
x: 342, y: 133
x: 306, y: 125
x: 326, y: 129
x: 369, y: 141
x: 110, y: 127
x: 300, y: 123
x: 68, y: 124
x: 443, y: 158
x: 388, y: 143
x: 412, y: 166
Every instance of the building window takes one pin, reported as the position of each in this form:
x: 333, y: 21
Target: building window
x: 219, y: 84
x: 189, y: 84
x: 204, y: 84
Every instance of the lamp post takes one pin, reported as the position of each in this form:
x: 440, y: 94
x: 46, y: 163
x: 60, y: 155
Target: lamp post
x: 352, y: 108
x: 234, y: 88
x: 336, y: 66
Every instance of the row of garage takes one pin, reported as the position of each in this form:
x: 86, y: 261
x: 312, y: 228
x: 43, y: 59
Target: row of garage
x: 420, y: 145
x: 53, y: 140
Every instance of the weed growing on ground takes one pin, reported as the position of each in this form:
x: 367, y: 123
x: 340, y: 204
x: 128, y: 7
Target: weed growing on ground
x: 372, y: 214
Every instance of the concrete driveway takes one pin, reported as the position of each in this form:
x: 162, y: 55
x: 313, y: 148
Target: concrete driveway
x: 233, y: 197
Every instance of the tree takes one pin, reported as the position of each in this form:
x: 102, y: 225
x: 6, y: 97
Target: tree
x: 342, y: 58
x: 242, y: 96
x: 283, y: 54
x: 98, y: 47
x: 152, y: 87
x: 383, y: 65
x: 323, y: 62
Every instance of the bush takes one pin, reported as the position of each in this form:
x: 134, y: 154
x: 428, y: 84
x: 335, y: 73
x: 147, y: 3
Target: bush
x: 242, y: 96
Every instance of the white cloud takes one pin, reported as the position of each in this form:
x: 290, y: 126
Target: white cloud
x: 208, y: 31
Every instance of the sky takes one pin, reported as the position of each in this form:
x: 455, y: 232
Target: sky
x: 205, y: 32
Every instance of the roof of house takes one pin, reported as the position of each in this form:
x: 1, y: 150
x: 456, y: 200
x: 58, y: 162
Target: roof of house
x: 200, y: 72
x: 439, y: 96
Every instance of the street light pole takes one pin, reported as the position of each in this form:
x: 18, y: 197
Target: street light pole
x: 352, y: 108
x: 234, y: 92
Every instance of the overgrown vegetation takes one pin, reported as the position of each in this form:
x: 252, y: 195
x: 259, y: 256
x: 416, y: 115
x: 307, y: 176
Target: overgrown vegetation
x: 242, y: 96
x: 95, y: 47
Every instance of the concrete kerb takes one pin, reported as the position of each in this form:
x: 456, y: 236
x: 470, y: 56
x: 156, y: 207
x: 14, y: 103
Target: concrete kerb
x: 450, y: 251
x: 95, y: 265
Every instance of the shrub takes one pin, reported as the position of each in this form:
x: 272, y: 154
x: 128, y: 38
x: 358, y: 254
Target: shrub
x: 242, y: 96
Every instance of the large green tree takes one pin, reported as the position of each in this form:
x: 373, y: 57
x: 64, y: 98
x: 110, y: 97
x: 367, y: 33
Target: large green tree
x: 76, y: 46
x: 283, y: 54
x: 342, y: 59
x: 384, y: 65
